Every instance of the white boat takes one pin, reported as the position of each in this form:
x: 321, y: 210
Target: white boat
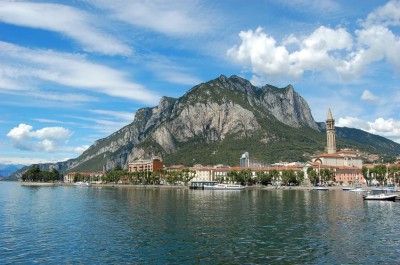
x: 378, y: 189
x: 358, y: 188
x: 221, y: 186
x: 391, y: 188
x: 380, y: 197
x: 82, y: 184
x: 320, y: 188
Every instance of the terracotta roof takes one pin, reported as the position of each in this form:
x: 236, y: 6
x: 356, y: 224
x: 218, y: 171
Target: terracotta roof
x: 329, y: 155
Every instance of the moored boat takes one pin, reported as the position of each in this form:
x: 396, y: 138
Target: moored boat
x: 320, y: 188
x: 222, y: 186
x: 380, y: 197
x: 82, y: 184
x: 346, y: 187
x: 358, y: 188
x: 200, y: 185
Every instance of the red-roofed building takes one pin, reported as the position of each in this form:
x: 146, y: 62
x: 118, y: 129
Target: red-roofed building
x: 146, y: 165
x: 346, y: 164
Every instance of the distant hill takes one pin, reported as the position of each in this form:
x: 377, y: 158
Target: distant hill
x: 375, y: 144
x: 8, y: 170
x: 215, y: 122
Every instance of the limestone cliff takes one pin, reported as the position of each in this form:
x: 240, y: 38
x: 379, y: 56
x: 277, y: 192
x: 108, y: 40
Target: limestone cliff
x: 209, y: 112
x: 215, y: 122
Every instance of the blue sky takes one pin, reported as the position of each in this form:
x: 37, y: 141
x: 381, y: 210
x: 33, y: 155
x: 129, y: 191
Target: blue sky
x: 72, y: 72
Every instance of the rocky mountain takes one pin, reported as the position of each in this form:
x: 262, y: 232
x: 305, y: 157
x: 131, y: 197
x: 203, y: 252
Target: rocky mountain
x: 7, y: 170
x: 215, y: 122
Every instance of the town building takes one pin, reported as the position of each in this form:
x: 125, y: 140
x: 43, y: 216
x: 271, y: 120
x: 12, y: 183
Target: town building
x: 245, y: 161
x: 330, y: 133
x: 151, y: 165
x: 92, y: 177
x: 346, y: 164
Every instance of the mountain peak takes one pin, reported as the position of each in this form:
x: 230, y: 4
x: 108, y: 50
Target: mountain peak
x: 214, y: 122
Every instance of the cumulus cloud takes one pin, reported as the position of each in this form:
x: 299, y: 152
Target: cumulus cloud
x: 69, y: 21
x: 387, y: 15
x: 267, y: 57
x: 353, y: 122
x: 388, y: 128
x: 68, y: 70
x: 176, y: 18
x: 324, y: 50
x: 81, y: 149
x: 46, y: 139
x: 368, y: 96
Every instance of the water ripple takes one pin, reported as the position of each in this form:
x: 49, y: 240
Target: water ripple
x: 67, y: 225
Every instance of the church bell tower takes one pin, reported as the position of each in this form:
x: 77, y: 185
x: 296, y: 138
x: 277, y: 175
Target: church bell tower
x: 330, y: 133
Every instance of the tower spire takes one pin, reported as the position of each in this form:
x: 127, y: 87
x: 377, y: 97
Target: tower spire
x: 330, y: 114
x: 330, y: 133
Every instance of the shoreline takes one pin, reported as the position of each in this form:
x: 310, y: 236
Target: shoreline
x: 132, y: 186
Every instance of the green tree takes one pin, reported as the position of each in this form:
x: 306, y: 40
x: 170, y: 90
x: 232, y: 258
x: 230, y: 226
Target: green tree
x: 187, y: 175
x: 78, y: 177
x: 233, y: 176
x: 380, y: 172
x: 274, y: 175
x: 55, y: 175
x: 162, y: 174
x: 300, y: 177
x: 245, y: 177
x: 289, y: 177
x: 326, y: 175
x: 312, y: 175
x: 394, y: 172
x: 366, y: 174
x: 263, y: 178
x: 172, y: 177
x: 33, y: 174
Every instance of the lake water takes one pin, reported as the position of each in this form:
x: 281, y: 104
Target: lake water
x: 87, y: 225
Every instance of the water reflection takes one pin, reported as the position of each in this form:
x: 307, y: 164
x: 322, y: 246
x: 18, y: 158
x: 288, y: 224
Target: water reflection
x: 159, y: 226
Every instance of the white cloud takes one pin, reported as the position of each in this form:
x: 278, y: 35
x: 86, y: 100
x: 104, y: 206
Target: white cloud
x: 68, y: 70
x: 46, y: 139
x: 353, y: 122
x: 81, y: 149
x: 62, y: 97
x: 368, y: 96
x: 261, y: 52
x: 170, y: 71
x: 387, y: 15
x: 325, y: 50
x: 176, y: 18
x: 69, y: 21
x: 121, y: 115
x: 104, y: 125
x: 49, y: 121
x: 266, y: 57
x: 28, y: 160
x: 388, y: 128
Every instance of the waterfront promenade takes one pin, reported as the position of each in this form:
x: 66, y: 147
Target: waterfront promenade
x: 149, y: 186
